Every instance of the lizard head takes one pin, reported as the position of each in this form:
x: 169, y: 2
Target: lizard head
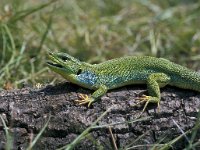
x: 72, y: 69
x: 64, y: 64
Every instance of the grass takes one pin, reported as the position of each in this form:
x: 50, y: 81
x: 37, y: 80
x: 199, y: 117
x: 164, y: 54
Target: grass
x: 93, y: 31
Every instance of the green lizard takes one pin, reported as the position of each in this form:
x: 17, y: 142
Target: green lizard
x: 155, y: 72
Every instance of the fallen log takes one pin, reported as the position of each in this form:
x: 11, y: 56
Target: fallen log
x: 26, y: 111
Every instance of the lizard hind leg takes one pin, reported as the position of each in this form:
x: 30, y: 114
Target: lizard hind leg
x: 154, y: 82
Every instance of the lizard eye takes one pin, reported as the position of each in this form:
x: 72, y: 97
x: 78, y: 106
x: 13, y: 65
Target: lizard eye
x: 64, y: 58
x: 79, y: 71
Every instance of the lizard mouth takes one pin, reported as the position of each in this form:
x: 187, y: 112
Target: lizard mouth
x: 54, y: 64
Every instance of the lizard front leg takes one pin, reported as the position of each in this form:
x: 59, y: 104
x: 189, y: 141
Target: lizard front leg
x: 154, y: 82
x: 85, y: 99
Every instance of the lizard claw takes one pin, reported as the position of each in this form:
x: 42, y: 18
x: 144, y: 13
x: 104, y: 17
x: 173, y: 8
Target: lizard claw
x: 143, y: 98
x: 147, y: 99
x: 84, y: 99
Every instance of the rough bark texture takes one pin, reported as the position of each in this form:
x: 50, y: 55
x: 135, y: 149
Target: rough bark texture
x: 27, y: 110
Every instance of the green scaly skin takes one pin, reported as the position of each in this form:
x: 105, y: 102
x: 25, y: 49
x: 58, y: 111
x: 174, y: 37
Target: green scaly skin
x: 155, y: 72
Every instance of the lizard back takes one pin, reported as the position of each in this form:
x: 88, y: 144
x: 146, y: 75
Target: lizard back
x: 136, y: 69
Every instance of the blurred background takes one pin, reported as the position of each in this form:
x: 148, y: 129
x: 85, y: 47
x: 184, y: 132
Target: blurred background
x: 93, y: 31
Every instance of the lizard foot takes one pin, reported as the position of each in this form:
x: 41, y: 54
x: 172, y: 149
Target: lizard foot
x: 84, y: 99
x: 147, y: 99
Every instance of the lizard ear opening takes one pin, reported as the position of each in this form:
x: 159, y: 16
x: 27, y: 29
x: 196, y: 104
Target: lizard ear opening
x: 79, y: 71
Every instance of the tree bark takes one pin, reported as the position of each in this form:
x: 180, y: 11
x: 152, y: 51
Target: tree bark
x: 26, y: 111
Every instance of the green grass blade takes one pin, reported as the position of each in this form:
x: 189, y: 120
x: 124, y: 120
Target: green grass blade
x: 9, y: 138
x: 38, y: 135
x: 84, y: 133
x: 24, y: 13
